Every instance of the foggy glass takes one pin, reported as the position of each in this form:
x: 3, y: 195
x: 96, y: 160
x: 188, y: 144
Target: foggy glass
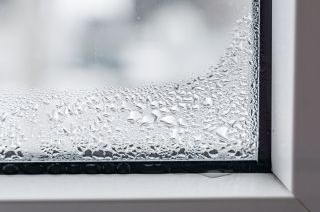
x: 129, y: 80
x: 76, y: 44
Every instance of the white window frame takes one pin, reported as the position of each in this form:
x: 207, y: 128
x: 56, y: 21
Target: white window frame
x: 293, y: 186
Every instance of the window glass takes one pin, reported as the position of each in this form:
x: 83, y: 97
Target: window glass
x: 129, y: 80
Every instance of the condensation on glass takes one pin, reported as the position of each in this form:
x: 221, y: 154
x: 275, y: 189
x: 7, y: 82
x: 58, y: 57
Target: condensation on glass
x: 129, y: 80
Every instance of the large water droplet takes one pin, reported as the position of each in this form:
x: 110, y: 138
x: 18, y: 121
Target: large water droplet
x: 146, y: 120
x: 169, y: 121
x: 134, y: 116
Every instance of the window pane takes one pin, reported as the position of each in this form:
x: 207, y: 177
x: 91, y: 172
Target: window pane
x: 129, y: 80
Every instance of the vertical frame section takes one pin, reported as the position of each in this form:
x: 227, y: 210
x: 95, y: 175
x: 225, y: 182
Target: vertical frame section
x: 264, y: 155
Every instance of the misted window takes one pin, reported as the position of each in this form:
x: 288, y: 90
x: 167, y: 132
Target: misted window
x: 122, y: 86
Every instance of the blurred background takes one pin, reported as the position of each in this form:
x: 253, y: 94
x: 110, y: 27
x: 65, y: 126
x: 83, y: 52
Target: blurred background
x: 66, y: 44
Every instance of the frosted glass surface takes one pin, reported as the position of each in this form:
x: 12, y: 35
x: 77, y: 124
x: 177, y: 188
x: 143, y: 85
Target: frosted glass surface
x: 129, y: 80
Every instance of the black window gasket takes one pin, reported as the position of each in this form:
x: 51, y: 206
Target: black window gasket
x: 263, y: 165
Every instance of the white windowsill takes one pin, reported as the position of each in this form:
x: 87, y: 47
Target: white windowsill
x: 140, y: 187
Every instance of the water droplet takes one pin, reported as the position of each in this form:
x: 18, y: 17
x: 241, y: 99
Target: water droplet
x: 174, y: 109
x: 35, y: 107
x: 156, y: 113
x: 55, y: 115
x: 197, y: 137
x: 169, y: 120
x: 175, y: 134
x: 222, y: 132
x: 146, y: 120
x: 182, y: 122
x: 3, y: 116
x: 214, y: 152
x: 140, y: 106
x: 207, y: 102
x: 134, y: 116
x: 154, y: 104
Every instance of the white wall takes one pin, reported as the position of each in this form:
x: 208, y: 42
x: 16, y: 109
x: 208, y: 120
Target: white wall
x: 307, y: 105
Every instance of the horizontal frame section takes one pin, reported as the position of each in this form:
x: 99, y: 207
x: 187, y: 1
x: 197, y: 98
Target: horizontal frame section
x: 133, y: 167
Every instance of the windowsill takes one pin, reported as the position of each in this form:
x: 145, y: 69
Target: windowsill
x: 140, y: 187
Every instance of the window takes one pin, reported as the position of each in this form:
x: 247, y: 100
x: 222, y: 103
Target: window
x: 135, y: 86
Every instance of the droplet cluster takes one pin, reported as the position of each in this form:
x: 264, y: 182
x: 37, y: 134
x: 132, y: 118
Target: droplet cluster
x: 211, y: 117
